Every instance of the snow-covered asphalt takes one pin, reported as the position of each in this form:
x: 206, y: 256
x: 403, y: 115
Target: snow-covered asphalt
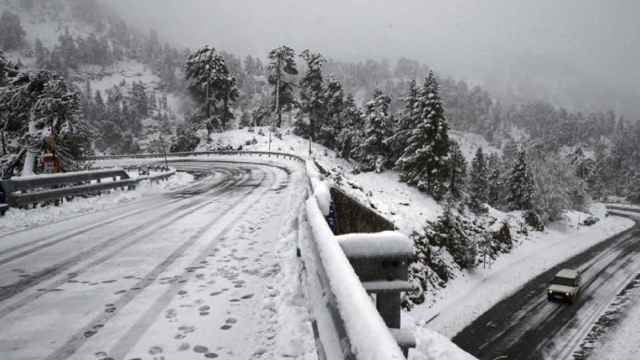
x: 528, y: 326
x: 192, y: 274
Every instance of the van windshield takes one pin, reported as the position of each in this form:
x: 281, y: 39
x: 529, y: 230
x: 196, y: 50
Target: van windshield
x: 564, y: 281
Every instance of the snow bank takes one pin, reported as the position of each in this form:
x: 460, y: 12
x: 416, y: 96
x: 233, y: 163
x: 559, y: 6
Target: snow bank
x: 369, y: 336
x: 621, y: 341
x: 386, y: 243
x: 19, y: 219
x: 433, y: 346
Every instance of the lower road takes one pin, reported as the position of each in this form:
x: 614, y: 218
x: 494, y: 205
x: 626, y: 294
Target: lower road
x: 191, y: 274
x: 528, y: 326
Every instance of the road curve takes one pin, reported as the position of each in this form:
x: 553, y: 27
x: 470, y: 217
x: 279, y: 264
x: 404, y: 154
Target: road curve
x: 527, y: 326
x: 180, y: 275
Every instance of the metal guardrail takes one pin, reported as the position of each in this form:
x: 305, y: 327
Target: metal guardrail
x: 197, y: 153
x: 380, y: 263
x: 25, y: 191
x: 47, y: 181
x: 621, y: 207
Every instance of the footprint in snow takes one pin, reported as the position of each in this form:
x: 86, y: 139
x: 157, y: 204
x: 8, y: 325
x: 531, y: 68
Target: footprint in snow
x: 200, y: 349
x: 155, y: 350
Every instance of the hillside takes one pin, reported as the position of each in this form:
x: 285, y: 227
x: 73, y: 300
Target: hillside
x: 134, y: 75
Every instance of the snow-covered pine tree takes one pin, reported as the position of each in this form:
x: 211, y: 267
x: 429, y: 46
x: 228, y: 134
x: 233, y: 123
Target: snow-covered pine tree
x: 350, y: 135
x: 457, y: 171
x: 409, y: 119
x: 311, y: 95
x: 68, y: 49
x: 510, y: 152
x: 479, y: 182
x: 185, y: 139
x: 449, y: 232
x: 211, y: 85
x: 139, y: 100
x: 281, y: 68
x: 600, y: 178
x: 495, y: 181
x: 11, y: 32
x: 633, y: 193
x: 372, y: 152
x: 333, y: 124
x: 521, y: 186
x: 424, y: 162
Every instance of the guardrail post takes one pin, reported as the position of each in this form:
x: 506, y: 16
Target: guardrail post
x: 381, y: 261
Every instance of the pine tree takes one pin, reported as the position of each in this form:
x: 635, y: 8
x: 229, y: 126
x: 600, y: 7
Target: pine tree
x: 457, y: 171
x: 68, y: 50
x: 281, y: 68
x: 11, y: 32
x: 449, y: 232
x: 521, y: 185
x: 479, y: 182
x: 138, y: 100
x: 334, y: 102
x: 510, y: 152
x: 600, y: 178
x: 373, y: 152
x: 350, y: 136
x: 185, y: 139
x: 211, y: 85
x: 409, y: 120
x: 424, y: 162
x: 495, y: 181
x: 311, y: 94
x: 633, y: 193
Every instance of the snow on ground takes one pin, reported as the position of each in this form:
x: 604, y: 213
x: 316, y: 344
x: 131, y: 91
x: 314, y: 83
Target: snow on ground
x: 621, y: 341
x: 433, y: 346
x: 470, y: 142
x: 129, y: 71
x: 468, y: 296
x: 19, y: 219
x: 405, y: 206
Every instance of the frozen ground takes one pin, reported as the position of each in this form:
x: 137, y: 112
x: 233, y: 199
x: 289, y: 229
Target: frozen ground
x: 208, y: 270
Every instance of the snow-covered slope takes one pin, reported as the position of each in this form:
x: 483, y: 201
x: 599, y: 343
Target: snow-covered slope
x: 48, y: 21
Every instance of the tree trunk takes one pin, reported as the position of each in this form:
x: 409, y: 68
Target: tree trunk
x: 278, y: 110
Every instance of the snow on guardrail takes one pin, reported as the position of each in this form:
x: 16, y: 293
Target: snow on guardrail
x: 367, y: 333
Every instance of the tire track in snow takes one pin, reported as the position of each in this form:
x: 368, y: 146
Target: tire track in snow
x: 79, y: 338
x: 11, y: 290
x: 65, y: 235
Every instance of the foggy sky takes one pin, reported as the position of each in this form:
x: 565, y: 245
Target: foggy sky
x: 574, y: 52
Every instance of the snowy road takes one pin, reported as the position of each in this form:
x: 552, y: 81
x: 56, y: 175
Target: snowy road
x: 527, y: 326
x: 191, y: 274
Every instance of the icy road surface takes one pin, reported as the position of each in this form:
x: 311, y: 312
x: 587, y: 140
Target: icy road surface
x: 194, y: 274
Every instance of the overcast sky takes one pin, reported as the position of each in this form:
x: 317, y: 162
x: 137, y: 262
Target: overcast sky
x: 551, y: 42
